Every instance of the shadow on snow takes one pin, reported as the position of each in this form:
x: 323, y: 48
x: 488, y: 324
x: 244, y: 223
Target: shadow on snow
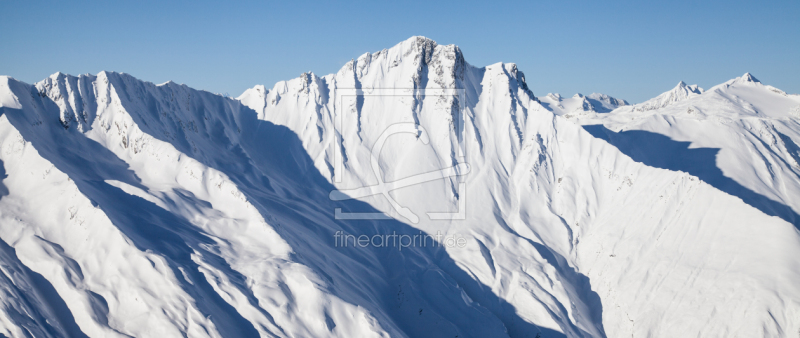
x: 660, y: 151
x: 416, y: 291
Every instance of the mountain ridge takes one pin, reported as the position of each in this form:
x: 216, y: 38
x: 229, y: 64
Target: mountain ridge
x: 234, y: 223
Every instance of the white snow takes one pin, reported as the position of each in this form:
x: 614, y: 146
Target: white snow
x: 130, y: 208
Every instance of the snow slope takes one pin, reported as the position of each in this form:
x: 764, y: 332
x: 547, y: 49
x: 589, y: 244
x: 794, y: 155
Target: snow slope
x: 740, y: 136
x: 134, y: 209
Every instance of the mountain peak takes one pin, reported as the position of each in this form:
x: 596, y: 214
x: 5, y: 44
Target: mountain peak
x: 421, y: 39
x: 57, y: 75
x: 682, y: 86
x: 680, y: 92
x: 747, y: 78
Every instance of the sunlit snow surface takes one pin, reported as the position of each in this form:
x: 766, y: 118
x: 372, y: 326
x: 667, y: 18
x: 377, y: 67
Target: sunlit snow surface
x: 134, y: 209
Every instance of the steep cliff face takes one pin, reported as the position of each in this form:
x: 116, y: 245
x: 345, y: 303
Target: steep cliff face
x: 135, y: 209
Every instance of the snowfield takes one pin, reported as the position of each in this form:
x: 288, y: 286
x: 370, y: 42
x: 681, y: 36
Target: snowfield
x: 134, y: 209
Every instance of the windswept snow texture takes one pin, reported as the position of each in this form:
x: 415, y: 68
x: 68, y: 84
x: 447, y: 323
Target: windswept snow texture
x: 134, y: 209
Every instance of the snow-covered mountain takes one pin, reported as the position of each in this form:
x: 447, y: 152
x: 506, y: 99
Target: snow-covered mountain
x: 681, y: 92
x: 580, y: 104
x: 134, y: 209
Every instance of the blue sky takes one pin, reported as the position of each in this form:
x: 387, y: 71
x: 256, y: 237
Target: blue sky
x: 630, y: 50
